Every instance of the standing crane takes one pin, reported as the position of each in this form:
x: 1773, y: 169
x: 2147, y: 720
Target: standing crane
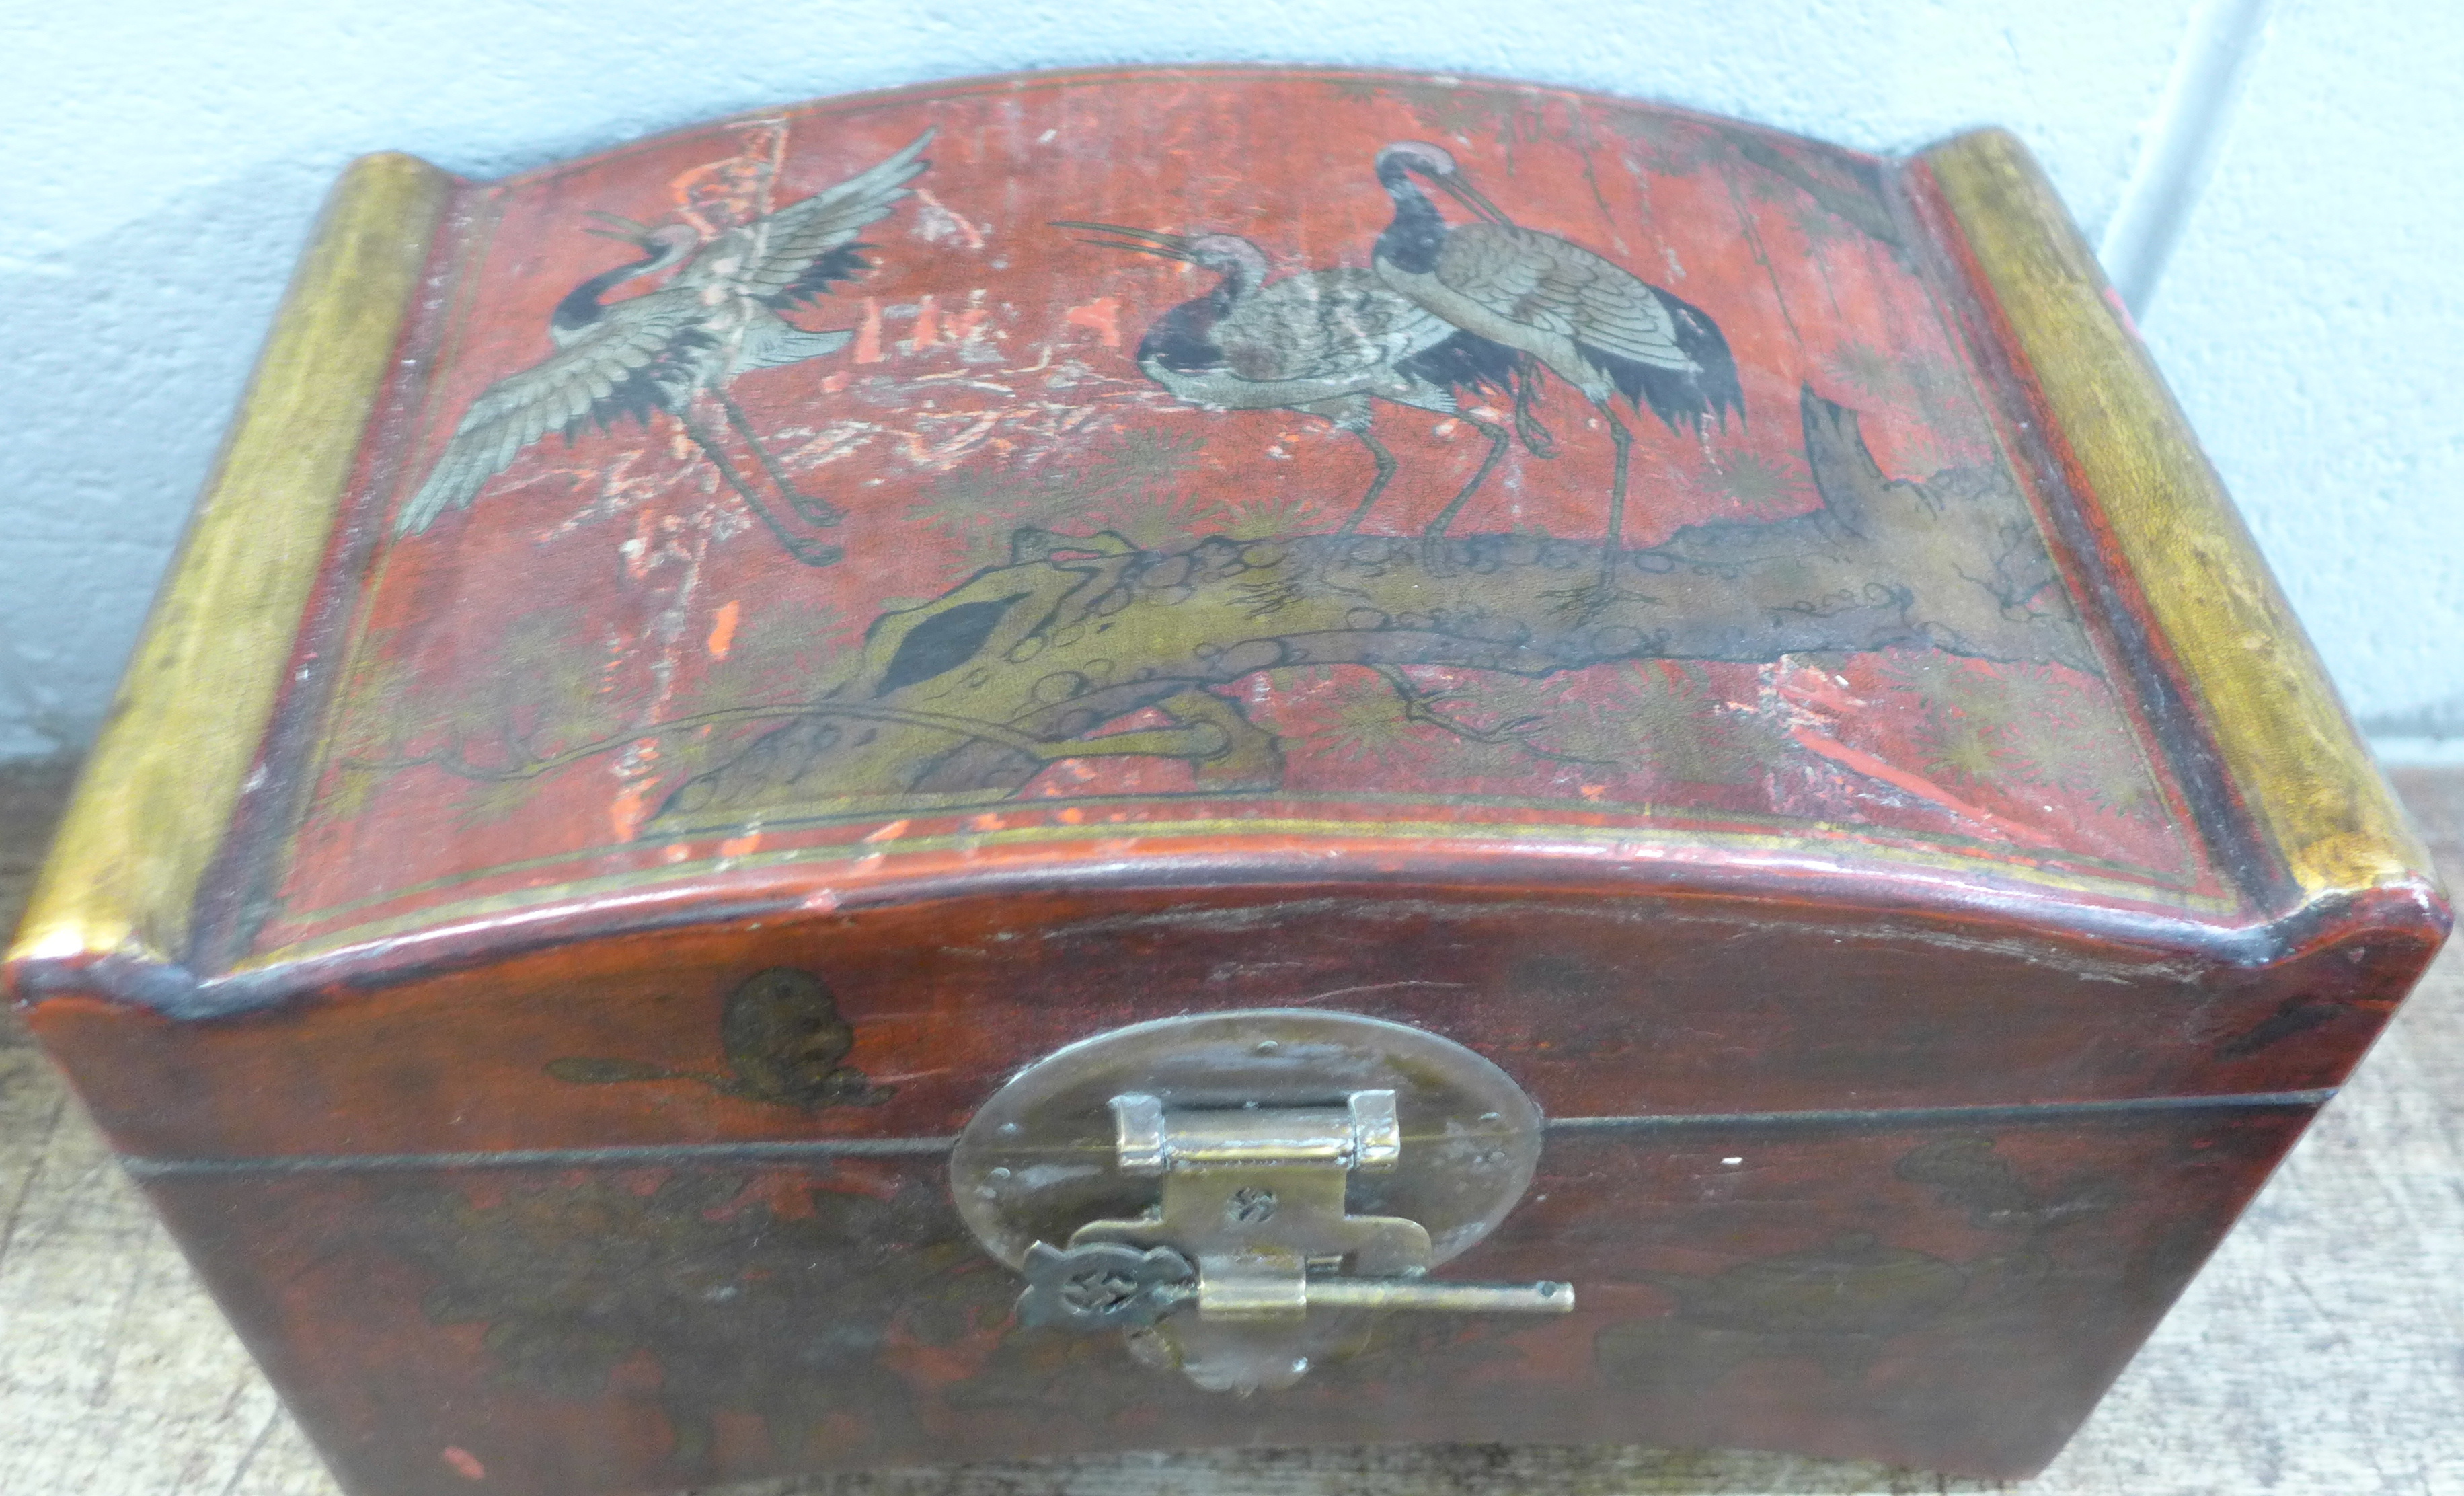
x: 718, y: 316
x: 1594, y: 324
x: 1323, y: 343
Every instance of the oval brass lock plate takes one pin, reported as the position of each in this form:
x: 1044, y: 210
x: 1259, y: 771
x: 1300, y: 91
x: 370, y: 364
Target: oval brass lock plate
x: 1240, y: 1192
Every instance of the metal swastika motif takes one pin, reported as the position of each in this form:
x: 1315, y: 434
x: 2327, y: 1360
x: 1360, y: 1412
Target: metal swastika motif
x: 1102, y: 1285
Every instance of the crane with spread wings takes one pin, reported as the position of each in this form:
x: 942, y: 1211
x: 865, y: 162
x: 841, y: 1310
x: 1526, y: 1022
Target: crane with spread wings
x: 718, y: 316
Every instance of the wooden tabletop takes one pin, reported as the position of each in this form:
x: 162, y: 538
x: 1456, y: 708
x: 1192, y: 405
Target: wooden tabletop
x: 2322, y: 1351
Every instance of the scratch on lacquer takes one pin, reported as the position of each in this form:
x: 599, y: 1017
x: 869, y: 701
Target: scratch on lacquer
x: 943, y: 455
x: 639, y: 771
x: 1924, y: 788
x: 940, y: 223
x: 867, y: 334
x: 630, y: 807
x: 967, y: 326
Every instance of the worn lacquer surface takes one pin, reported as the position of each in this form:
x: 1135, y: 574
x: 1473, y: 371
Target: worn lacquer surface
x: 1004, y: 565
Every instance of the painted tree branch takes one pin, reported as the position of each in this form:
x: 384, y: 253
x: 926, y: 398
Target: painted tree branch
x: 970, y: 695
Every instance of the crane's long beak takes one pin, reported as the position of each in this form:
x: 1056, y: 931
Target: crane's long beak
x: 1141, y: 241
x: 1459, y: 187
x: 623, y: 230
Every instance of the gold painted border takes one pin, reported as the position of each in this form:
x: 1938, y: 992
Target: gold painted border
x: 2308, y: 782
x: 1438, y: 837
x: 1672, y: 825
x: 160, y: 789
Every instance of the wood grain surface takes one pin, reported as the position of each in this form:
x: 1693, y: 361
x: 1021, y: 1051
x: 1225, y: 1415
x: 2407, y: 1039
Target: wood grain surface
x: 2320, y: 1352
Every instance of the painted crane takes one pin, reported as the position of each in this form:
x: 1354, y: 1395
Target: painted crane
x: 1593, y: 323
x: 718, y: 316
x: 1323, y: 343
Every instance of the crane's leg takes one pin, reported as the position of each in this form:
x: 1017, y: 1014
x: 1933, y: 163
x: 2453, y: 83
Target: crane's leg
x: 1536, y: 439
x: 1385, y: 461
x: 818, y: 511
x: 1612, y: 549
x: 1432, y: 538
x: 811, y: 552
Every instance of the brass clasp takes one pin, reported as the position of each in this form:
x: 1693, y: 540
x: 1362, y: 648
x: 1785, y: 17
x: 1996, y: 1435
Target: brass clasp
x: 1216, y: 1232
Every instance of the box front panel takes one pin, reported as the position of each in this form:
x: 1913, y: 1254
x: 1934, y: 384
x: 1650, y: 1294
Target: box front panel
x: 1946, y: 1295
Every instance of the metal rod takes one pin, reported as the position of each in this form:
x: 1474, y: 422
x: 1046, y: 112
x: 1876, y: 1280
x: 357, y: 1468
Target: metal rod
x: 1444, y: 1298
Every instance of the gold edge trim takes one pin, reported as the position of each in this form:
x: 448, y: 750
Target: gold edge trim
x: 2281, y: 730
x: 160, y: 787
x: 654, y: 881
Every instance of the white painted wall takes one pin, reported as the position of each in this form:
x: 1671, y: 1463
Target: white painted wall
x: 2312, y: 319
x: 162, y: 161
